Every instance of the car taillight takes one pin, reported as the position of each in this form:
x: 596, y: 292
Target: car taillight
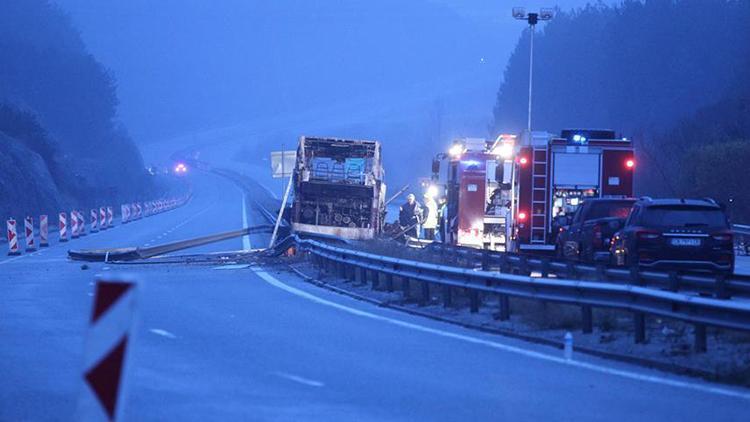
x: 647, y: 235
x: 722, y: 237
x: 521, y: 216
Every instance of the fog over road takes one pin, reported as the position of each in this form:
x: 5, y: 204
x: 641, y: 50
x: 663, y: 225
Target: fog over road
x: 260, y: 344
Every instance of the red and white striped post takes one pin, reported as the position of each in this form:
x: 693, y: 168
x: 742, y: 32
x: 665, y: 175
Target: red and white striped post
x: 63, y: 226
x: 102, y: 218
x: 108, y: 343
x: 139, y: 207
x: 133, y: 212
x: 124, y: 211
x: 81, y: 224
x: 12, y: 238
x: 28, y: 225
x: 94, y: 214
x: 43, y: 231
x: 110, y: 216
x: 74, y: 223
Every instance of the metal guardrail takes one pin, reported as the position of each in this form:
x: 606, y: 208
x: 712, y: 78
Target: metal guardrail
x: 130, y: 254
x: 718, y: 285
x: 641, y: 301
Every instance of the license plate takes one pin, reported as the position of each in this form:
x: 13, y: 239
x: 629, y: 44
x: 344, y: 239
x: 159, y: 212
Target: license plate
x: 685, y: 242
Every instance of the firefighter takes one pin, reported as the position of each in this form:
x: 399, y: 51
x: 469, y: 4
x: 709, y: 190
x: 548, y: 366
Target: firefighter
x: 410, y: 215
x: 430, y: 221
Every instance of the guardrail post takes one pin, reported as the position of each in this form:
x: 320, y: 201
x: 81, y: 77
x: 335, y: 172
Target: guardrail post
x: 389, y: 282
x: 447, y: 296
x: 701, y: 344
x: 375, y: 278
x: 674, y: 281
x: 405, y: 287
x: 523, y: 267
x: 504, y: 264
x: 474, y: 301
x: 360, y: 275
x: 601, y: 272
x: 587, y: 316
x: 545, y: 267
x: 635, y: 275
x: 639, y: 324
x: 341, y: 268
x: 425, y: 297
x: 504, y: 303
x: 485, y: 260
x: 570, y: 270
x: 721, y: 290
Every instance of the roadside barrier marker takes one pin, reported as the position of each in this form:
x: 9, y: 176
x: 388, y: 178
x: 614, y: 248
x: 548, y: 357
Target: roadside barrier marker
x: 94, y: 214
x: 12, y: 238
x: 63, y: 226
x: 43, y: 231
x: 74, y: 229
x: 124, y: 213
x: 110, y: 216
x: 108, y: 342
x: 29, y: 229
x: 102, y: 218
x: 81, y: 224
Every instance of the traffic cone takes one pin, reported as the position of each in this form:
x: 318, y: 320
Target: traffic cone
x: 29, y: 229
x: 43, y: 231
x: 63, y: 226
x: 12, y: 238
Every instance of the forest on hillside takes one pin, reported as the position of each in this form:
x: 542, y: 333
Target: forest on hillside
x: 60, y: 141
x: 672, y: 74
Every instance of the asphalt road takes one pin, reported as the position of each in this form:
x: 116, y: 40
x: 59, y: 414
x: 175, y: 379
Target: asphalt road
x: 259, y: 344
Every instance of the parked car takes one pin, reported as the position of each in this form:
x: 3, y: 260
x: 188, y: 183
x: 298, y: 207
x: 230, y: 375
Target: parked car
x: 591, y: 228
x: 676, y: 234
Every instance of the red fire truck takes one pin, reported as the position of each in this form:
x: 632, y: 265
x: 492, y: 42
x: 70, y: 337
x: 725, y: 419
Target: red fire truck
x: 511, y: 193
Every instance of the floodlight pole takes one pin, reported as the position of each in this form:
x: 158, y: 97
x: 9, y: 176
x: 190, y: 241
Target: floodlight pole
x: 531, y: 19
x: 531, y: 72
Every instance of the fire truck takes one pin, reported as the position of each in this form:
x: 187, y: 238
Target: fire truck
x: 513, y: 193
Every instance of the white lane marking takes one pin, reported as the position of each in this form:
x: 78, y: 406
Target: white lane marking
x: 245, y: 239
x: 163, y: 333
x: 702, y: 387
x: 299, y: 379
x: 231, y: 267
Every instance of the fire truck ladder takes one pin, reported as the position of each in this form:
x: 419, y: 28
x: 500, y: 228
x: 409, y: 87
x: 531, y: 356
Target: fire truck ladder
x: 539, y: 196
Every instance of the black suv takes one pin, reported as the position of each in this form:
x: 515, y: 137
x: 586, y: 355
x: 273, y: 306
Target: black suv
x: 675, y: 234
x: 591, y: 227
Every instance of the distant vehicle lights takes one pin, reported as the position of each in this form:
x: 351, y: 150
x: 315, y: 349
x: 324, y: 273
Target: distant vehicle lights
x: 180, y: 168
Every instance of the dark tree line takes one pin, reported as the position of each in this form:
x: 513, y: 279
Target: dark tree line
x: 672, y: 74
x: 61, y: 103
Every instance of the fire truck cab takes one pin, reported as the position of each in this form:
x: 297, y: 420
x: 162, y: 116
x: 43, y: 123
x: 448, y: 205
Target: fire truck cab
x: 554, y: 175
x: 514, y: 193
